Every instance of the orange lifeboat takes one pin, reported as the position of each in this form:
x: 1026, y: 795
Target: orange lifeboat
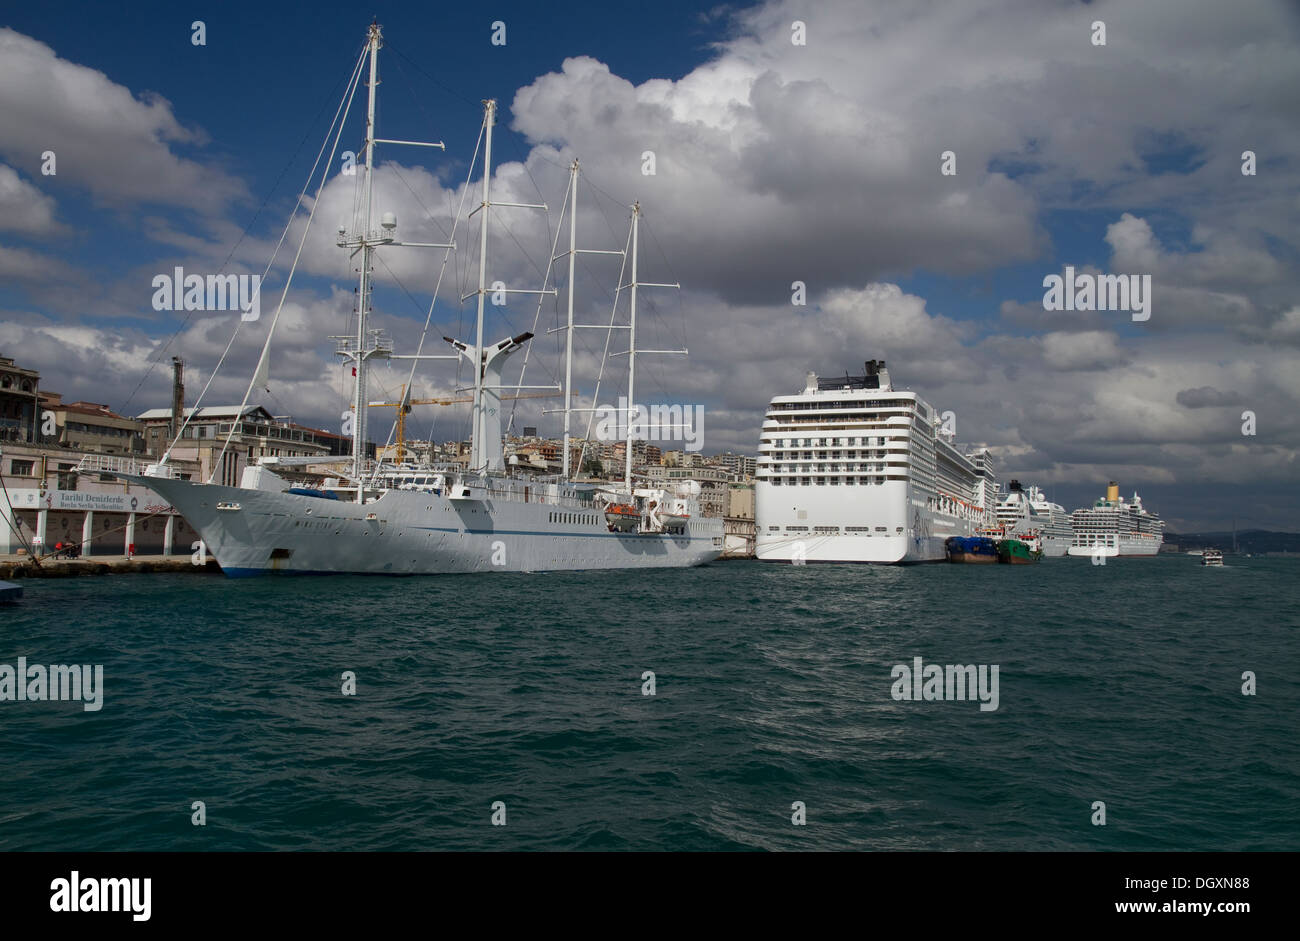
x: 622, y: 517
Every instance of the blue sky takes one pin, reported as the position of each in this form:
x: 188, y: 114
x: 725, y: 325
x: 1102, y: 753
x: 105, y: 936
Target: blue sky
x: 777, y: 162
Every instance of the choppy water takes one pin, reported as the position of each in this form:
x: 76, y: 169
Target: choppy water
x: 1119, y: 683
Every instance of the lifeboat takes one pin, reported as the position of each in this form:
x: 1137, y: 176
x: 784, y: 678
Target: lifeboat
x: 622, y: 517
x: 674, y: 522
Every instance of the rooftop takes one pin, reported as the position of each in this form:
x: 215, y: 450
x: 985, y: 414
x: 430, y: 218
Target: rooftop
x: 207, y: 411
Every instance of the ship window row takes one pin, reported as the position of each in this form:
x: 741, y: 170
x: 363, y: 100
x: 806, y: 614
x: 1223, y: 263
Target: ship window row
x: 580, y: 519
x: 829, y: 481
x: 859, y: 441
x: 840, y: 403
x: 837, y: 468
x: 828, y: 455
x: 861, y: 419
x: 827, y: 530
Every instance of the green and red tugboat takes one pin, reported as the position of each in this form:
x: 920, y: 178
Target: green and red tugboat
x: 1017, y: 552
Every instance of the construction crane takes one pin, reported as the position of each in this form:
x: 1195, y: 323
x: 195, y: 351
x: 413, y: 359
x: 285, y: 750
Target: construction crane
x: 404, y: 404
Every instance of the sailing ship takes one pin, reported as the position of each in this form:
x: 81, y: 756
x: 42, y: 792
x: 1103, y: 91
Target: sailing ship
x: 385, y: 519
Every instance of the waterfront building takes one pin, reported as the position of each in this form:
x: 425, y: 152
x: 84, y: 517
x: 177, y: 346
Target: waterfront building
x: 19, y: 403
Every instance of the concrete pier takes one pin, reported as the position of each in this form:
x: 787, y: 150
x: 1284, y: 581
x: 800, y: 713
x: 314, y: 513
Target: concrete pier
x: 19, y: 566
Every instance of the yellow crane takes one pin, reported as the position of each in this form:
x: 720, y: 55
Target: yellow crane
x: 402, y: 411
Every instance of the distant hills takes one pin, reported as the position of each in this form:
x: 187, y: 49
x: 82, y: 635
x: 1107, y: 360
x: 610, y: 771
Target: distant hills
x: 1254, y: 541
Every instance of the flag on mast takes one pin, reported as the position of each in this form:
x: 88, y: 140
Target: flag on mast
x: 262, y: 376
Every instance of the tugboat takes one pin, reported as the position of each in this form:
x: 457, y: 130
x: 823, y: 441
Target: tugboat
x: 1017, y: 552
x: 1212, y: 557
x: 972, y: 549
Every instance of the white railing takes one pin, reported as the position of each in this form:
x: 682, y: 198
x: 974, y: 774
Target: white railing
x: 112, y: 464
x: 108, y: 464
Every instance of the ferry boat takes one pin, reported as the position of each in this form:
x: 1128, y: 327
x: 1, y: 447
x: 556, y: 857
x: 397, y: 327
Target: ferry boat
x: 1212, y: 557
x: 1028, y: 514
x: 376, y: 518
x: 1114, y: 527
x: 853, y: 470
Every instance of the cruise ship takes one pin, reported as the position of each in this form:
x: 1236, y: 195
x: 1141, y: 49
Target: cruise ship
x: 375, y: 518
x: 853, y: 470
x: 1029, y: 515
x: 1112, y: 527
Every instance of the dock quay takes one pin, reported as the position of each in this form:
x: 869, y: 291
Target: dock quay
x: 14, y: 567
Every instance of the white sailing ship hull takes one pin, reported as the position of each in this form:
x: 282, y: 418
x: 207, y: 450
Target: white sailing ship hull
x: 253, y: 532
x: 871, y: 524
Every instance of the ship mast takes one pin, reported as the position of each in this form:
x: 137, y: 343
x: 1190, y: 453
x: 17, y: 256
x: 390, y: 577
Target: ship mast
x: 570, y: 326
x: 632, y: 350
x: 485, y: 455
x: 364, y: 350
x: 476, y: 446
x: 368, y: 344
x: 568, y: 334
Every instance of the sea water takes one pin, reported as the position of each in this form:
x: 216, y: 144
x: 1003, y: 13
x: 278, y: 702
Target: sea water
x: 1144, y: 704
